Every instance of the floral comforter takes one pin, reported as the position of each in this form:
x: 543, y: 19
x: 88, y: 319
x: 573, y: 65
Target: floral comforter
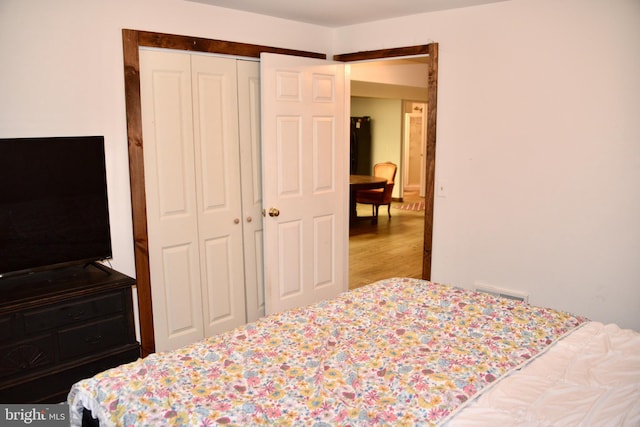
x: 396, y: 352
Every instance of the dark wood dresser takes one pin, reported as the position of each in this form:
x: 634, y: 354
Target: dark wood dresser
x: 60, y: 326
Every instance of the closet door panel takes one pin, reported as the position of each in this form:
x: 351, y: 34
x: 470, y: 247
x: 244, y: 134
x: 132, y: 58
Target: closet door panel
x: 219, y: 264
x: 251, y: 171
x: 324, y: 255
x: 171, y: 198
x: 181, y: 320
x: 215, y: 124
x: 254, y: 274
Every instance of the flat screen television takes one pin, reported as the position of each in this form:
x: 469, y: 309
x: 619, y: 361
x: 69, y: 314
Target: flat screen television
x: 53, y: 203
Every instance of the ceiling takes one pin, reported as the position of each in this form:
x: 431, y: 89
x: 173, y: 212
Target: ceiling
x: 339, y: 13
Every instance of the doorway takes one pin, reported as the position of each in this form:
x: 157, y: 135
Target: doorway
x: 431, y: 52
x: 392, y: 95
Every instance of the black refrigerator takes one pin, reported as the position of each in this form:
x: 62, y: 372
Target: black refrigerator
x: 360, y: 146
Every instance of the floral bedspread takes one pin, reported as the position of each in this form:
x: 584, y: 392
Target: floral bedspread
x: 396, y: 352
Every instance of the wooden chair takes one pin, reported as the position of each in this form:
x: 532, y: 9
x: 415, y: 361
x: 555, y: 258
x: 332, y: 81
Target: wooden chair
x: 379, y: 196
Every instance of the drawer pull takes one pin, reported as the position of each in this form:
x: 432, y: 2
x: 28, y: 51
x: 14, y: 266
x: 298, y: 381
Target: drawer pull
x: 92, y: 339
x: 77, y: 315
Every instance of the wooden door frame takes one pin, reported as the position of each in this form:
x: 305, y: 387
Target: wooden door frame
x: 431, y: 50
x: 132, y: 40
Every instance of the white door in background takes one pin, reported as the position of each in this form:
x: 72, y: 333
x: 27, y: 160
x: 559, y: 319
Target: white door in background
x: 414, y: 151
x: 305, y: 180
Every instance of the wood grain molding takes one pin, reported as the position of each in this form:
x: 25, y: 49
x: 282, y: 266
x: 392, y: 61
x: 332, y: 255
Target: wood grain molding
x: 198, y: 44
x: 386, y: 53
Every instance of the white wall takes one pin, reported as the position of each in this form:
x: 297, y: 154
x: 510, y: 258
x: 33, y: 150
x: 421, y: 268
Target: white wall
x: 391, y: 72
x: 539, y: 144
x: 537, y: 135
x: 62, y: 72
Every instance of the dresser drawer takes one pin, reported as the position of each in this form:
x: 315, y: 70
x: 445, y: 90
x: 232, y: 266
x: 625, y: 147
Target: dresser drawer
x: 54, y: 388
x: 73, y: 312
x: 5, y: 328
x: 26, y: 356
x: 94, y: 337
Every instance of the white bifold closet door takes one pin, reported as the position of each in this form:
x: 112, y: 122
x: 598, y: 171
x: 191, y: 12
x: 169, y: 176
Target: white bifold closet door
x: 201, y: 132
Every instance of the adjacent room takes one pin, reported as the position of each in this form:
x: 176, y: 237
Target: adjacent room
x: 388, y: 125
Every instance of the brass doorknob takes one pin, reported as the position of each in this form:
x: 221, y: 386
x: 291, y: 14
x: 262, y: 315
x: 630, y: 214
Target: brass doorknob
x: 274, y: 212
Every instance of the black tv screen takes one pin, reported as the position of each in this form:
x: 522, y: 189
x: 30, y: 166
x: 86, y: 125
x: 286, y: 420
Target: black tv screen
x: 53, y: 203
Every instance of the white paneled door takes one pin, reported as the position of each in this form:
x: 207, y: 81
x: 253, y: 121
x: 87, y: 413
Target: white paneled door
x: 193, y: 187
x: 305, y: 180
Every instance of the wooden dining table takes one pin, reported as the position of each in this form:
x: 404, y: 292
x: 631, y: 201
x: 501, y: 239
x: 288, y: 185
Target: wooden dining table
x: 362, y: 182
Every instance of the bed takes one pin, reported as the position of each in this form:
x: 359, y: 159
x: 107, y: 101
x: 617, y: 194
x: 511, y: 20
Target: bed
x: 396, y: 352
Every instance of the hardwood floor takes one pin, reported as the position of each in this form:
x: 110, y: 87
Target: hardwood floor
x: 392, y: 248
